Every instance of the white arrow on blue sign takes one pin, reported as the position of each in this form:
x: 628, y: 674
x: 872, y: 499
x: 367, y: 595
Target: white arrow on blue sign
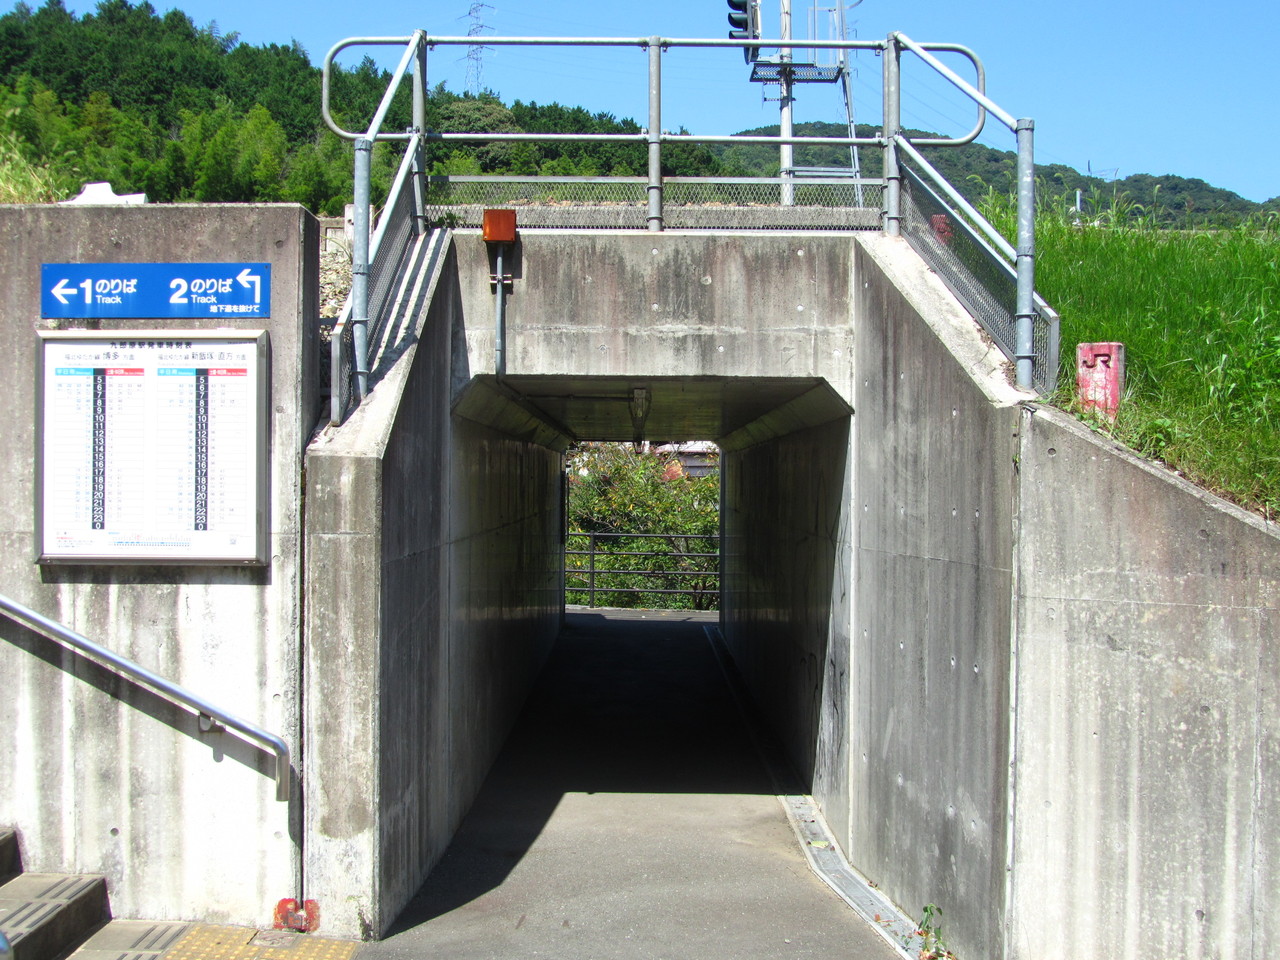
x: 164, y: 290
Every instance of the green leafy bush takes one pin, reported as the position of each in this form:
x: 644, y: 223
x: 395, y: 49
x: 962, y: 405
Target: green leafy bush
x: 643, y: 513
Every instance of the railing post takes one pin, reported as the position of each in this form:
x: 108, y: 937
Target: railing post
x: 892, y: 127
x: 420, y: 126
x: 591, y: 572
x: 655, y: 134
x: 1026, y: 263
x: 786, y: 152
x: 360, y: 266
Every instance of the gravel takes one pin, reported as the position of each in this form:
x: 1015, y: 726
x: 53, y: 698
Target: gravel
x: 335, y: 283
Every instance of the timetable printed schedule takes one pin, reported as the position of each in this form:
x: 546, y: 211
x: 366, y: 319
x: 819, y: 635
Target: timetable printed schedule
x: 153, y: 447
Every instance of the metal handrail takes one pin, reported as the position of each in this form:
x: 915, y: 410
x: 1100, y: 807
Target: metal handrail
x: 414, y: 53
x: 173, y: 691
x: 590, y: 571
x: 1024, y: 355
x: 407, y: 178
x: 890, y: 140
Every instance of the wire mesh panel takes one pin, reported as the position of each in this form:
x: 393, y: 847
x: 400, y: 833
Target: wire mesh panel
x: 342, y: 366
x: 979, y: 277
x: 397, y: 229
x: 621, y: 203
x: 574, y: 202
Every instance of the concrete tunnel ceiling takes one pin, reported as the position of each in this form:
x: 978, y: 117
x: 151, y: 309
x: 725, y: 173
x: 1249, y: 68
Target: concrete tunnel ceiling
x: 734, y: 411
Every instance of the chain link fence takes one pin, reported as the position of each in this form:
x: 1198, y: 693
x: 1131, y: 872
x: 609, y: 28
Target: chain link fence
x: 621, y: 203
x: 981, y: 279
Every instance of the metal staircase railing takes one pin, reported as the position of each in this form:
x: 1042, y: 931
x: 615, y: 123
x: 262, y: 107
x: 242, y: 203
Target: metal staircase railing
x: 207, y: 711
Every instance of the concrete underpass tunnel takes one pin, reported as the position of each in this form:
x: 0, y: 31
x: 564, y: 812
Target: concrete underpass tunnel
x: 785, y: 465
x: 631, y: 730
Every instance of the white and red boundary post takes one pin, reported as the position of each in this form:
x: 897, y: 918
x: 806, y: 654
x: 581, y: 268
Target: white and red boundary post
x: 1100, y: 377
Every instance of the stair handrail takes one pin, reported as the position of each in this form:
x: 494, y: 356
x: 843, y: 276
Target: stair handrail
x: 173, y: 691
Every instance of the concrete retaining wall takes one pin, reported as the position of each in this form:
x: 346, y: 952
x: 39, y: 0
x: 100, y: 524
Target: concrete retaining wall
x: 787, y: 595
x: 99, y: 775
x: 1147, y: 817
x: 433, y: 573
x: 933, y: 497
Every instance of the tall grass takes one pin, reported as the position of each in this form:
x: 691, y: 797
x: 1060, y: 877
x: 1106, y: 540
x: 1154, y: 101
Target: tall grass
x: 22, y: 181
x: 1199, y: 314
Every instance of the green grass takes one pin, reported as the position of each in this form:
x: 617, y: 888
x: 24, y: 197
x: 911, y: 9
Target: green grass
x: 1199, y: 314
x: 22, y: 181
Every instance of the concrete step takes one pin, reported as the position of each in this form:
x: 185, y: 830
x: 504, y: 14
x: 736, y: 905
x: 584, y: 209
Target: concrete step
x: 131, y: 940
x: 46, y: 914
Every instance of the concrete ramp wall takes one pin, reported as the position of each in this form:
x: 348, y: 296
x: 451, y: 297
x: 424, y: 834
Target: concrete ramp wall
x: 934, y: 490
x: 434, y: 592
x: 1146, y: 708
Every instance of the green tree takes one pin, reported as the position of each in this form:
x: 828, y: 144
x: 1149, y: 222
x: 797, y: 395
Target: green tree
x: 642, y: 502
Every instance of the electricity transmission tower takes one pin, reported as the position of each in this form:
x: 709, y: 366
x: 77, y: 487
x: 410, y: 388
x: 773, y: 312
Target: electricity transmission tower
x: 475, y: 51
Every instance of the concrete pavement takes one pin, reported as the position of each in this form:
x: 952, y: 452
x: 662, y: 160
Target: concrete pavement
x: 629, y: 816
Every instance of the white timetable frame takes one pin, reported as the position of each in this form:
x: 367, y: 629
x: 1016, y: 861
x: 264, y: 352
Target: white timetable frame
x: 152, y: 447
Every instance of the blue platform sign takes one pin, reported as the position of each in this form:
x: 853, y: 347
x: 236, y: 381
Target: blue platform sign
x: 162, y: 290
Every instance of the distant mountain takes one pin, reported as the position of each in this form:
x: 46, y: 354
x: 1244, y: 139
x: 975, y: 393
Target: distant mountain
x: 974, y: 169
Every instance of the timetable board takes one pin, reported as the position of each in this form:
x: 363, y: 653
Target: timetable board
x: 152, y: 447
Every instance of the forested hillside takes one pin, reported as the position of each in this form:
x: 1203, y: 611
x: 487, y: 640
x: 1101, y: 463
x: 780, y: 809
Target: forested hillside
x: 153, y: 103
x: 974, y: 169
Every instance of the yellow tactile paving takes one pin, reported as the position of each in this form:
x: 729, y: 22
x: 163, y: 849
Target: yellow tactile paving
x: 205, y: 942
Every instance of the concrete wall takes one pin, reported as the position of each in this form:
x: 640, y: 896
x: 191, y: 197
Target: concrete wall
x: 433, y: 573
x: 1147, y: 816
x: 100, y: 775
x: 673, y: 305
x: 787, y: 595
x: 934, y: 477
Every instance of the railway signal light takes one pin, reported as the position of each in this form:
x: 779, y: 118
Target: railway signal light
x: 744, y: 18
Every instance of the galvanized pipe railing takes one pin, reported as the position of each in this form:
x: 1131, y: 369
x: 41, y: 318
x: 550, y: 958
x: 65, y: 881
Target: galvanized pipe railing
x: 1024, y: 130
x: 408, y: 177
x: 414, y: 54
x: 890, y: 140
x: 653, y: 137
x: 204, y: 709
x: 592, y: 570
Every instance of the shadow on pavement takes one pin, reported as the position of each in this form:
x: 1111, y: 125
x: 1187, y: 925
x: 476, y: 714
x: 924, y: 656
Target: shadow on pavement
x: 625, y: 705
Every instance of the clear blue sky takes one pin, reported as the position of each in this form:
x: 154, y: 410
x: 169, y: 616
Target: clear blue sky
x: 1126, y: 87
